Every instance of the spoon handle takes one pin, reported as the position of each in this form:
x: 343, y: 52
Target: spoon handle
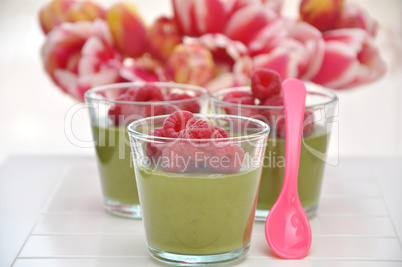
x: 293, y: 91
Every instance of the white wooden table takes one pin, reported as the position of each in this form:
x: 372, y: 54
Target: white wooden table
x: 51, y: 214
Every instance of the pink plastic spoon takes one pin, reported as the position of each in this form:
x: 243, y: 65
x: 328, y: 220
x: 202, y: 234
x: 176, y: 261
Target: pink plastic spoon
x: 287, y: 228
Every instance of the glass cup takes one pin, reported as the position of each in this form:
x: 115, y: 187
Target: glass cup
x: 110, y: 114
x: 198, y: 197
x: 320, y: 110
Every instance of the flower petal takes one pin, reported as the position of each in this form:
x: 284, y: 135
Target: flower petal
x: 190, y: 63
x: 350, y: 59
x: 81, y: 51
x: 195, y: 17
x: 127, y: 28
x: 248, y: 21
x: 228, y: 55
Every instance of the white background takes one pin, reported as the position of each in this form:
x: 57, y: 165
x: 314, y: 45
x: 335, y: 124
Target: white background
x: 33, y: 109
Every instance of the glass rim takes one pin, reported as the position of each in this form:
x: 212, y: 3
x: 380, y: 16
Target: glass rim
x: 145, y: 137
x: 333, y: 98
x: 88, y: 95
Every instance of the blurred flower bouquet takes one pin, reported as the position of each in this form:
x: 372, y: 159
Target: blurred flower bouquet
x: 212, y: 43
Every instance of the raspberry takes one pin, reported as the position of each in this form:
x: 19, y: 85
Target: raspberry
x: 187, y: 155
x: 191, y: 121
x: 276, y: 101
x: 149, y: 92
x: 175, y: 124
x: 276, y: 117
x: 265, y: 83
x: 191, y: 106
x: 242, y: 111
x: 146, y: 93
x: 154, y: 150
x: 227, y: 158
x: 180, y: 157
x: 178, y: 96
x: 222, y: 131
x: 240, y: 98
x: 201, y: 129
x: 119, y: 112
x: 308, y: 122
x: 153, y: 110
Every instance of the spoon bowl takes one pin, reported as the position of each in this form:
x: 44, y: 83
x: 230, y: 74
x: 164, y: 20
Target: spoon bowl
x: 289, y: 235
x: 287, y: 228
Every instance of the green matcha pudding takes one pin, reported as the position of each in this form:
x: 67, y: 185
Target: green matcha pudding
x: 112, y: 108
x: 116, y: 170
x: 198, y: 213
x: 311, y: 169
x: 263, y: 100
x: 198, y: 184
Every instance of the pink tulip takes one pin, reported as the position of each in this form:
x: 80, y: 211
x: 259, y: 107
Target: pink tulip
x: 127, y: 28
x: 163, y: 36
x: 322, y: 14
x: 144, y: 68
x: 228, y: 55
x: 190, y: 63
x: 234, y: 5
x: 350, y: 59
x: 245, y: 22
x: 353, y: 16
x: 80, y: 55
x: 265, y: 40
x: 196, y: 17
x: 59, y: 11
x: 294, y: 49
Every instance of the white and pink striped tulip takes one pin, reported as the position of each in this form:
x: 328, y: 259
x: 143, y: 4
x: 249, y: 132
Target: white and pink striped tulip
x: 322, y: 14
x: 145, y: 69
x: 127, y: 28
x: 163, y: 36
x: 228, y: 55
x: 190, y: 63
x: 59, y: 11
x: 247, y: 21
x: 196, y: 17
x: 350, y: 59
x: 81, y: 55
x: 234, y: 5
x: 294, y: 49
x: 353, y: 16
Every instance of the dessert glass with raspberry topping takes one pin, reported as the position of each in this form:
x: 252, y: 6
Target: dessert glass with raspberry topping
x: 197, y: 178
x: 112, y: 108
x: 321, y: 107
